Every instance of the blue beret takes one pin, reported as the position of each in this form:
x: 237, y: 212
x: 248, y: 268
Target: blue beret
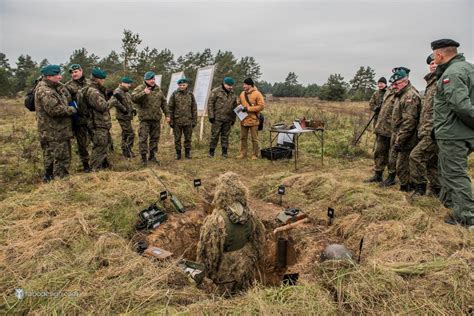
x: 149, y: 75
x: 99, y: 73
x: 182, y: 80
x: 229, y: 81
x: 126, y: 80
x: 50, y: 70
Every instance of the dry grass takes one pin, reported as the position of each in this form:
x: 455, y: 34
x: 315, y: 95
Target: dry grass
x: 76, y: 235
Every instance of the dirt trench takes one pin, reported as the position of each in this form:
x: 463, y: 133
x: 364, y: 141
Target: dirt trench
x: 179, y: 234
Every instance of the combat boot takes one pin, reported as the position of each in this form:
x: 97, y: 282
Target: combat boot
x: 178, y: 154
x: 408, y: 187
x: 434, y: 191
x: 106, y: 164
x: 152, y: 157
x: 224, y: 152
x: 212, y: 151
x: 126, y: 154
x: 187, y: 153
x: 390, y: 181
x: 377, y: 177
x: 48, y: 175
x: 86, y: 166
x: 420, y: 189
x: 144, y: 160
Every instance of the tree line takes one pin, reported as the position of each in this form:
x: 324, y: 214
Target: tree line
x: 134, y: 61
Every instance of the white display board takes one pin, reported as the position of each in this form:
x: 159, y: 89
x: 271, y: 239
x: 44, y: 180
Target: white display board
x: 174, y: 83
x: 202, y: 88
x: 158, y: 80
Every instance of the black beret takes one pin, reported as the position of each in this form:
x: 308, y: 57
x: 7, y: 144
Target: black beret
x: 382, y: 79
x: 249, y: 81
x: 441, y: 43
x: 429, y: 59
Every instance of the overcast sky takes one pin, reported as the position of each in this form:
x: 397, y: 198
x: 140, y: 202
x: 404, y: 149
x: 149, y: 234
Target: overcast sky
x: 311, y: 38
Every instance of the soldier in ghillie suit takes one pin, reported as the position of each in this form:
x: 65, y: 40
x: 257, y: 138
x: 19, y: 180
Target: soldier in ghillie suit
x: 405, y: 118
x: 183, y: 117
x: 220, y: 110
x: 96, y: 99
x: 125, y: 111
x: 232, y: 238
x: 424, y: 157
x: 150, y: 102
x: 54, y: 123
x: 83, y: 124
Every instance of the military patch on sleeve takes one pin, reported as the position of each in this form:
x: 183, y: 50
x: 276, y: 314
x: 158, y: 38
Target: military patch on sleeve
x: 446, y: 80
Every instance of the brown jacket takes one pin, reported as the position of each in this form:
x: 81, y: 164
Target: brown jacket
x: 257, y: 104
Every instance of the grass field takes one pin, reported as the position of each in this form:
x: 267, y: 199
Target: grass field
x: 74, y: 238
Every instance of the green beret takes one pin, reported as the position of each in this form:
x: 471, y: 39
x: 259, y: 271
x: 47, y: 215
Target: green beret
x: 397, y: 75
x: 99, y: 73
x: 182, y: 80
x: 229, y: 81
x: 50, y: 70
x: 405, y: 69
x: 429, y: 59
x: 149, y: 75
x: 442, y: 43
x: 74, y: 67
x: 126, y: 80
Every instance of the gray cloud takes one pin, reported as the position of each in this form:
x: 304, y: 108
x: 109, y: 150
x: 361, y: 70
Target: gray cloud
x: 311, y: 38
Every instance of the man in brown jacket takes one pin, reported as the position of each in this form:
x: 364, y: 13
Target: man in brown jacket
x: 253, y: 103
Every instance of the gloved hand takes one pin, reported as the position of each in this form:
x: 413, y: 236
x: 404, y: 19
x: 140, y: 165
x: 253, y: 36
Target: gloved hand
x: 118, y: 96
x: 109, y: 94
x: 244, y: 109
x: 172, y: 125
x: 134, y: 112
x: 397, y: 148
x: 432, y: 135
x: 212, y: 120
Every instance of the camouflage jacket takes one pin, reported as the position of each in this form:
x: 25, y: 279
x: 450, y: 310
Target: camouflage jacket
x: 405, y: 117
x: 375, y: 103
x: 183, y: 108
x: 149, y: 106
x: 122, y: 101
x: 426, y: 118
x: 52, y: 112
x: 73, y: 87
x: 383, y: 127
x: 99, y: 109
x: 221, y: 105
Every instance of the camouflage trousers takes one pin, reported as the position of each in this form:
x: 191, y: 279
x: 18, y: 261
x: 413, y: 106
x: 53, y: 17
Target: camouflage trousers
x: 100, y: 143
x: 179, y: 130
x: 220, y: 129
x: 128, y: 136
x: 83, y: 136
x: 424, y: 163
x: 56, y: 157
x: 383, y: 155
x: 403, y: 167
x: 244, y: 135
x: 148, y: 136
x: 456, y: 188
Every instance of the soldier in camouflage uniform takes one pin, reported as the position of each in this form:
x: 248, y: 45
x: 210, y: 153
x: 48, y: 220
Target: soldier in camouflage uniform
x: 122, y: 101
x: 82, y: 126
x: 375, y: 102
x: 232, y: 238
x: 54, y: 123
x: 96, y: 99
x: 150, y: 102
x: 405, y: 117
x: 424, y: 157
x: 220, y: 111
x: 183, y: 117
x: 383, y: 133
